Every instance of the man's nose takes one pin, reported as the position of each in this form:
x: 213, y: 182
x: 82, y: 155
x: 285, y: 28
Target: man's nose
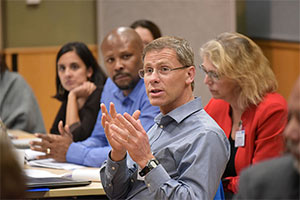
x: 154, y: 76
x: 119, y: 65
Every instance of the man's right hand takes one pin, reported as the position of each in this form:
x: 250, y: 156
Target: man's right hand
x: 54, y: 146
x: 118, y: 151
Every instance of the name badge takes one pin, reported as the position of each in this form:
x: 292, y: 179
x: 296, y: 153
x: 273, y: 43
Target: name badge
x: 239, y: 138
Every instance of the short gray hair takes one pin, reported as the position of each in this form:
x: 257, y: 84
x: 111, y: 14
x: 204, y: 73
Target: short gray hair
x: 183, y: 49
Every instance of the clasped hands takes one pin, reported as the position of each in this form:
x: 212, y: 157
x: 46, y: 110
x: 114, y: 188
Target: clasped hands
x: 126, y: 133
x: 55, y: 146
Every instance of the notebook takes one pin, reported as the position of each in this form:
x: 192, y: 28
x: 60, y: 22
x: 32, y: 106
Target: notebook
x: 54, y: 182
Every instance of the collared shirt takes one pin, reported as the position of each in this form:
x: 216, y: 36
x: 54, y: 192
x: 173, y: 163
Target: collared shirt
x: 192, y: 150
x: 94, y: 150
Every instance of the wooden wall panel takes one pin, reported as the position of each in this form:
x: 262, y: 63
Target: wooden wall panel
x: 37, y: 66
x: 284, y: 58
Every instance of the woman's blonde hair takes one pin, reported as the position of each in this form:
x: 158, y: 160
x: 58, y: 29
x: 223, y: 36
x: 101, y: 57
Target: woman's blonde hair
x: 238, y: 58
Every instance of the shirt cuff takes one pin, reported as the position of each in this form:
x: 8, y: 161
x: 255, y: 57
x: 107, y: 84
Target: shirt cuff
x: 156, y: 178
x: 113, y: 166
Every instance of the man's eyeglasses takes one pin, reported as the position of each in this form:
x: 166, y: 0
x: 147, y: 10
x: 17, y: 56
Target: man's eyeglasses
x: 212, y: 75
x: 163, y: 71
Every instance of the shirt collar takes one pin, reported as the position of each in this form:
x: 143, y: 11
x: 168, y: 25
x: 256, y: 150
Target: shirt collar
x: 132, y: 96
x: 179, y: 113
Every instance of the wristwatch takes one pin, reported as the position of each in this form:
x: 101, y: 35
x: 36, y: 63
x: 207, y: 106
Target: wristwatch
x: 151, y: 164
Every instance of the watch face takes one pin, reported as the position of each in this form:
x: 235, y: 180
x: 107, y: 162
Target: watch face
x: 150, y: 165
x: 153, y: 164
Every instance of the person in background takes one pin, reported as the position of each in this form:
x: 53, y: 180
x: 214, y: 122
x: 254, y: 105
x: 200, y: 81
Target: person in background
x: 147, y: 30
x: 122, y: 55
x: 12, y: 178
x: 184, y: 154
x: 244, y: 102
x: 18, y: 106
x: 79, y: 84
x: 278, y: 178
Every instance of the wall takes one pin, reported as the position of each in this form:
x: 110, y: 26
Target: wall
x: 50, y: 23
x: 273, y: 19
x: 284, y: 58
x: 195, y: 20
x: 275, y: 26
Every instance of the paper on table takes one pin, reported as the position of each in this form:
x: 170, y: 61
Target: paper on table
x: 40, y: 173
x: 24, y: 143
x: 51, y: 163
x: 86, y: 174
x: 31, y: 154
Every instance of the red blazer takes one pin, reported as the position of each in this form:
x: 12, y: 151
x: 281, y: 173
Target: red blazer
x: 263, y: 125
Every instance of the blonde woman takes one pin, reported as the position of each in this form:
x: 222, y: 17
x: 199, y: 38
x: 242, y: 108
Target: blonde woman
x: 245, y: 103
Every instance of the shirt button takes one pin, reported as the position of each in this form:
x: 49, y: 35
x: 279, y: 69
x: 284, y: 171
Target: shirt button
x: 113, y: 168
x: 109, y: 185
x: 132, y: 180
x: 148, y: 185
x: 161, y: 126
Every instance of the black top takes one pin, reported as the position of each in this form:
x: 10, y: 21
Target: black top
x: 87, y: 114
x: 230, y: 168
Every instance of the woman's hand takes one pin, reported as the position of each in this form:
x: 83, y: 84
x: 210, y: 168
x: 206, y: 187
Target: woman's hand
x: 82, y: 92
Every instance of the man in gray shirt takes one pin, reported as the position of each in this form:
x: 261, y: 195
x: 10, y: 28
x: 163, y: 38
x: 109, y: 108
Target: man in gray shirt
x: 186, y: 152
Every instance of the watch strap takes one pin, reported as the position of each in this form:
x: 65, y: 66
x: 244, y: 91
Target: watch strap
x: 151, y: 164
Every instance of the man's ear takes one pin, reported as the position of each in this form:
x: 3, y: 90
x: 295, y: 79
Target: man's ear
x: 191, y: 74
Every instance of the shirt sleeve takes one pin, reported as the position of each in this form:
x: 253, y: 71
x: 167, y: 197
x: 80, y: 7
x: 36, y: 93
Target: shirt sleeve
x: 59, y: 116
x: 88, y: 116
x: 201, y: 162
x: 271, y: 124
x: 91, y: 152
x: 115, y: 177
x: 20, y: 107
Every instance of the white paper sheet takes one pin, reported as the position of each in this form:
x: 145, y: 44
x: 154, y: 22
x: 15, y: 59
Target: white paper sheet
x: 24, y: 143
x: 31, y: 154
x: 86, y: 174
x: 36, y: 173
x: 51, y: 163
